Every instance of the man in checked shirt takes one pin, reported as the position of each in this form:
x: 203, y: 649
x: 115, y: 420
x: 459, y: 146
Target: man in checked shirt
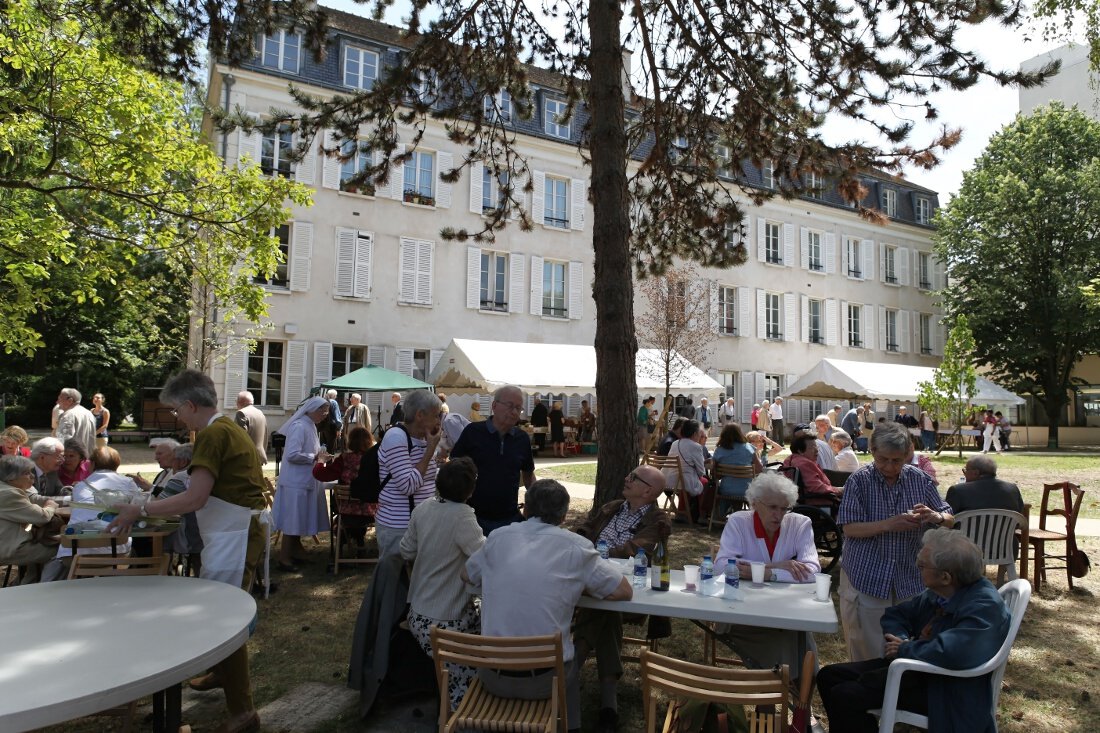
x: 886, y: 508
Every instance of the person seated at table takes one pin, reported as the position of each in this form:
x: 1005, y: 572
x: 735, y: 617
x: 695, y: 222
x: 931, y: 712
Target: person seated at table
x: 75, y: 465
x: 47, y: 454
x: 823, y: 431
x: 13, y: 442
x: 841, y: 445
x: 165, y: 454
x: 671, y: 436
x: 18, y: 546
x: 763, y: 445
x: 694, y: 462
x: 515, y: 601
x: 734, y: 450
x: 442, y: 534
x: 187, y: 540
x: 627, y: 525
x: 355, y: 515
x: 804, y: 457
x: 769, y: 533
x: 960, y: 621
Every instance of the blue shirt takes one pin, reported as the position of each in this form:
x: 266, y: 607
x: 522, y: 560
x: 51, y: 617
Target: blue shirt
x: 887, y: 562
x: 741, y: 454
x: 500, y: 459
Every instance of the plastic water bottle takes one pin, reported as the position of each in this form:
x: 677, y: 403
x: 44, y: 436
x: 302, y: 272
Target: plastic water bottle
x: 603, y: 549
x: 706, y: 576
x: 641, y: 569
x: 733, y: 578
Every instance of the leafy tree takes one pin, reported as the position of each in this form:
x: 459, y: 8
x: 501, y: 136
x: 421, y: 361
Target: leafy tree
x: 1020, y: 242
x: 947, y: 397
x: 721, y: 83
x: 100, y: 170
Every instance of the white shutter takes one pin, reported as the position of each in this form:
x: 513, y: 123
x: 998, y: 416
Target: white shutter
x: 744, y: 397
x: 761, y: 246
x: 536, y: 285
x: 306, y: 169
x: 916, y: 268
x: 761, y: 315
x: 744, y: 311
x: 395, y: 188
x: 882, y: 262
x: 901, y: 262
x: 940, y: 278
x: 248, y: 151
x: 758, y: 391
x: 882, y: 328
x: 407, y: 272
x: 804, y: 236
x: 712, y: 287
x: 576, y: 290
x: 937, y: 336
x: 831, y: 325
x: 330, y: 168
x: 538, y: 201
x: 405, y: 361
x: 322, y: 362
x: 867, y: 324
x: 345, y: 262
x: 516, y: 284
x: 425, y: 257
x: 792, y: 409
x: 444, y: 161
x: 236, y: 370
x: 830, y: 253
x: 867, y: 250
x: 433, y: 359
x: 788, y: 245
x: 903, y: 331
x: 364, y: 263
x: 473, y: 278
x: 805, y: 319
x: 295, y: 386
x: 579, y: 197
x: 485, y: 402
x: 301, y: 256
x: 789, y: 316
x: 844, y: 323
x: 477, y: 174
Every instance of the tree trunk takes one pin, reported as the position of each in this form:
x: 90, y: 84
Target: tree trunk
x: 613, y: 284
x: 1053, y: 402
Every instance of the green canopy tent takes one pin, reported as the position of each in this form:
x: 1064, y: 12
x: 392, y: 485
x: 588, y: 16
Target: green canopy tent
x: 374, y: 379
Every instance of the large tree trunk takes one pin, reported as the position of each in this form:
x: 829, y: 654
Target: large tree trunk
x: 613, y: 286
x: 1053, y: 402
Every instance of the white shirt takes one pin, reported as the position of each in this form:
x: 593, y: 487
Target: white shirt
x: 776, y: 411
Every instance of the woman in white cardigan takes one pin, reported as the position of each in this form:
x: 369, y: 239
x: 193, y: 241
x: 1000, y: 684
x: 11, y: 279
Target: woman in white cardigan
x: 784, y: 542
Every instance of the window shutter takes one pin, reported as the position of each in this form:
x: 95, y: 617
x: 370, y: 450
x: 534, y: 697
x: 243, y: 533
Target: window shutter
x: 744, y: 311
x: 792, y: 412
x: 576, y: 292
x: 903, y: 331
x: 831, y: 325
x: 761, y: 315
x: 867, y: 249
x: 804, y: 235
x: 407, y: 273
x: 405, y: 361
x: 425, y: 257
x: 536, y: 285
x: 901, y: 259
x: 538, y: 201
x: 712, y: 287
x: 761, y: 245
x: 306, y: 169
x: 236, y: 370
x: 248, y: 153
x: 473, y: 278
x: 882, y: 262
x: 433, y: 359
x: 759, y: 391
x: 579, y: 196
x: 345, y: 262
x: 376, y: 356
x: 364, y: 263
x: 443, y: 194
x: 296, y: 387
x: 830, y: 253
x: 882, y: 328
x: 788, y: 245
x: 867, y: 326
x: 748, y: 389
x: 330, y: 168
x: 477, y: 172
x: 485, y: 401
x: 789, y: 316
x: 395, y: 187
x: 516, y: 283
x: 939, y: 281
x: 937, y: 336
x: 322, y: 362
x: 805, y: 319
x: 844, y: 323
x: 301, y: 256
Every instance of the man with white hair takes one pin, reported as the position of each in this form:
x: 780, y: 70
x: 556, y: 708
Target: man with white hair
x: 254, y: 423
x: 356, y: 416
x: 331, y: 428
x: 398, y: 413
x: 76, y: 421
x: 779, y: 433
x: 833, y: 415
x: 47, y: 454
x: 165, y: 453
x: 727, y: 413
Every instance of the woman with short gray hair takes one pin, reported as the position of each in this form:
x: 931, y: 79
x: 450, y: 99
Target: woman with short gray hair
x: 17, y: 510
x: 846, y: 458
x: 546, y: 500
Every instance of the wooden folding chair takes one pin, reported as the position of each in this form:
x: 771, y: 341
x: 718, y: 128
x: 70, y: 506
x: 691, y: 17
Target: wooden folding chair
x: 1071, y: 495
x: 345, y: 505
x: 670, y: 463
x: 758, y: 688
x: 720, y: 472
x: 98, y: 566
x: 480, y: 710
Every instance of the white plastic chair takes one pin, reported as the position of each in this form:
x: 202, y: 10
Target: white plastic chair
x: 1016, y: 594
x: 993, y: 530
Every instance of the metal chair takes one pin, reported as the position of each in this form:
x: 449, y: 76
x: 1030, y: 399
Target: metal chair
x: 1071, y: 504
x: 480, y: 710
x: 1016, y: 594
x: 720, y: 472
x: 994, y: 531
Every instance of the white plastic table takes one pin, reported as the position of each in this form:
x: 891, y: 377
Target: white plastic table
x: 774, y: 606
x: 73, y: 648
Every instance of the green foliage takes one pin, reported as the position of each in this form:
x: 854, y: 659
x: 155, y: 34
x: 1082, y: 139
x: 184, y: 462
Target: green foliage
x: 1020, y: 241
x: 947, y: 396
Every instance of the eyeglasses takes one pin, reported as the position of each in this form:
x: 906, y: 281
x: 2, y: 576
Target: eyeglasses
x: 633, y: 476
x: 508, y: 405
x: 779, y: 509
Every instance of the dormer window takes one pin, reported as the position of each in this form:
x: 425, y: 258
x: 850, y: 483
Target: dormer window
x: 281, y: 50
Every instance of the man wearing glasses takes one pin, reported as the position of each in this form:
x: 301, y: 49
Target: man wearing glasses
x: 502, y: 453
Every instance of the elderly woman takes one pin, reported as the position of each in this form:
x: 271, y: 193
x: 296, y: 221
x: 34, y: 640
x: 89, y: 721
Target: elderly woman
x: 13, y: 442
x: 846, y: 459
x: 764, y: 418
x: 784, y: 542
x: 299, y: 509
x: 958, y: 622
x: 406, y: 464
x: 17, y: 510
x: 804, y: 457
x: 105, y: 476
x: 75, y: 466
x: 343, y: 469
x: 762, y: 444
x: 442, y: 534
x: 734, y: 450
x: 693, y: 468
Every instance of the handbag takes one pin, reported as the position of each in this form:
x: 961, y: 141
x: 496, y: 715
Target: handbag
x: 1079, y: 564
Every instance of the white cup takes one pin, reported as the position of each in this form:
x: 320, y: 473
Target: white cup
x: 757, y: 573
x: 823, y: 583
x: 691, y: 577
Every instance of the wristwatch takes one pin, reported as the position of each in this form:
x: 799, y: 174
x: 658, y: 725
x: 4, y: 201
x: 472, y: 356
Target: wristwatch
x: 143, y: 511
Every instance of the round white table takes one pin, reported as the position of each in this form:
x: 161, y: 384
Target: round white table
x: 73, y: 648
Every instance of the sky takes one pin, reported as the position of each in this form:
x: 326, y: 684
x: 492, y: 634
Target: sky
x: 980, y: 111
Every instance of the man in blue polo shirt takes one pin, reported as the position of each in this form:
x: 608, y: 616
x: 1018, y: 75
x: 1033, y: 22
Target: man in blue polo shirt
x: 503, y: 456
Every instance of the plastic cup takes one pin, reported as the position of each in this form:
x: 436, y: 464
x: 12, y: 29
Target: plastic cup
x: 757, y: 573
x: 822, y: 584
x: 691, y: 577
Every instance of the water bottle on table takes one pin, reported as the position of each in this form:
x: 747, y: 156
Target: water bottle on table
x: 603, y: 549
x: 706, y: 576
x: 641, y: 569
x: 733, y: 578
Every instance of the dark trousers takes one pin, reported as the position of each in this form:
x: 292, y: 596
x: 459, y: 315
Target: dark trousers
x: 850, y: 689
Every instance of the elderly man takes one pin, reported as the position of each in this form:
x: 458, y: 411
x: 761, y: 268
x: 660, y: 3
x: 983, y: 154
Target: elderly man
x: 627, y: 525
x: 834, y: 416
x: 823, y: 433
x: 165, y: 453
x: 852, y: 423
x: 702, y: 414
x: 254, y: 423
x: 958, y: 622
x: 518, y: 602
x: 47, y: 454
x: 727, y: 413
x: 983, y: 490
x: 357, y: 416
x: 398, y: 413
x: 886, y: 507
x: 76, y: 421
x: 775, y: 411
x: 503, y: 456
x: 331, y: 428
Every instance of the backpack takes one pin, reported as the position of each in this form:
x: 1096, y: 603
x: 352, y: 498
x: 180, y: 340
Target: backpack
x: 368, y: 484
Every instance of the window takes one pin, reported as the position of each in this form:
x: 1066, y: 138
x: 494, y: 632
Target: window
x: 855, y: 326
x: 281, y: 51
x: 727, y: 311
x: 279, y: 278
x: 494, y: 281
x: 890, y: 202
x: 678, y: 150
x: 423, y: 87
x: 814, y: 259
x: 925, y: 265
x: 892, y: 330
x: 265, y: 373
x: 420, y: 365
x: 498, y: 107
x: 815, y: 316
x: 925, y: 334
x: 419, y: 178
x: 732, y: 234
x: 492, y: 187
x: 360, y: 68
x: 772, y: 383
x: 722, y: 153
x: 353, y: 166
x: 814, y: 183
x: 354, y: 258
x: 767, y: 173
x: 275, y: 149
x: 771, y: 243
x: 889, y: 271
x: 924, y: 210
x: 346, y: 359
x: 416, y: 271
x: 555, y: 122
x: 773, y: 316
x: 553, y: 290
x: 555, y: 199
x: 854, y: 255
